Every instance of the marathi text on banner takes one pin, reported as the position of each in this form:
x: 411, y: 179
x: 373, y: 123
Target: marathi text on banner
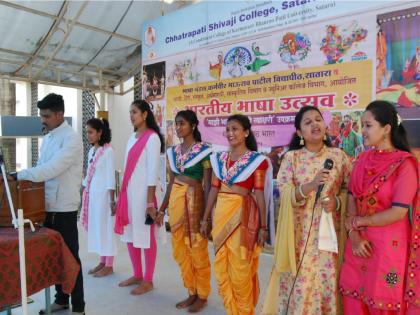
x: 330, y: 87
x: 271, y: 100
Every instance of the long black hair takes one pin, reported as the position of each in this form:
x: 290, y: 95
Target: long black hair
x: 103, y: 126
x: 295, y: 142
x: 144, y: 106
x: 192, y: 119
x: 250, y: 141
x: 386, y: 114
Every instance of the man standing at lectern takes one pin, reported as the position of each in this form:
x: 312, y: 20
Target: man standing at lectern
x: 60, y: 166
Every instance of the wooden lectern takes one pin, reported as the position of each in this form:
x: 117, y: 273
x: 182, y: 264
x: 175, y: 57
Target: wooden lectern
x: 26, y: 195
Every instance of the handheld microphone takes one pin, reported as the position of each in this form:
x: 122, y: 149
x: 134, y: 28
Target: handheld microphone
x: 328, y: 165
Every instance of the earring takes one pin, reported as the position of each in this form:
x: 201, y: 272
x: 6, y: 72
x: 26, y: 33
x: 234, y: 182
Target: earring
x: 301, y: 142
x: 325, y: 138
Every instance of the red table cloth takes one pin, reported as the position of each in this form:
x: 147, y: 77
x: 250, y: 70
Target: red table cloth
x: 48, y: 262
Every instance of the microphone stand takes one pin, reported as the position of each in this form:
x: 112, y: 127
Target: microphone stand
x: 19, y: 224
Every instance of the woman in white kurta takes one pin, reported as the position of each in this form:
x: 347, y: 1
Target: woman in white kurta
x: 98, y: 197
x: 145, y: 174
x: 142, y: 167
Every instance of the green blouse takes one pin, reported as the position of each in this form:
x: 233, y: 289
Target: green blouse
x: 197, y: 171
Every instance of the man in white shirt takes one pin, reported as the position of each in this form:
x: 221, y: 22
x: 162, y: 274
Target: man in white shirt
x: 60, y: 166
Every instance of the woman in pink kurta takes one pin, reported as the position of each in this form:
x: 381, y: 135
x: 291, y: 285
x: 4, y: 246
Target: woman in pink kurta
x: 381, y: 244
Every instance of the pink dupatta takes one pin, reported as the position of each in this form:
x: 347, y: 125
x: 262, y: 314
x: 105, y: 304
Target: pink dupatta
x: 121, y: 217
x: 412, y: 292
x: 84, y: 213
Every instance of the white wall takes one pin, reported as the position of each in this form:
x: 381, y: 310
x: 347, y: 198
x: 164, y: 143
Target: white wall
x: 119, y: 119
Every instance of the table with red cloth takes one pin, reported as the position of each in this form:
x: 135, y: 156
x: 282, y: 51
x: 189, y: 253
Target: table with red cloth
x: 48, y: 262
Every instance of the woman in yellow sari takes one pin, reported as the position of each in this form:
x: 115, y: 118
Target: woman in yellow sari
x: 190, y: 175
x: 239, y: 217
x: 304, y: 279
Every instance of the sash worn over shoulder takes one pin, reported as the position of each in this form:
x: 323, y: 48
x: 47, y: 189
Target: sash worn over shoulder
x: 84, y: 215
x: 413, y: 274
x: 121, y: 217
x: 179, y: 162
x: 240, y: 170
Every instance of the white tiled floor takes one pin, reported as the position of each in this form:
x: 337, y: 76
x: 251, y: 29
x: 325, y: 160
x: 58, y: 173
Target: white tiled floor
x: 104, y: 297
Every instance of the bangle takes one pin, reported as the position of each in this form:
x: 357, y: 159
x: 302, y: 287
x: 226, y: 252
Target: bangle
x: 204, y: 222
x: 351, y: 230
x: 264, y: 228
x: 301, y: 192
x: 338, y: 202
x: 150, y: 205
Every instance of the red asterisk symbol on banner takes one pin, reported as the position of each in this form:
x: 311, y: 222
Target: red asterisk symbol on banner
x: 351, y: 99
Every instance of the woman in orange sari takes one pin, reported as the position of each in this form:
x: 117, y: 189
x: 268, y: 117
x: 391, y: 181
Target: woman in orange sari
x: 239, y: 217
x: 380, y: 274
x: 189, y: 185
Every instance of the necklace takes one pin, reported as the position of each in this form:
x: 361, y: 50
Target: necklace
x: 239, y: 157
x: 188, y: 149
x: 385, y: 150
x: 229, y: 158
x: 182, y: 157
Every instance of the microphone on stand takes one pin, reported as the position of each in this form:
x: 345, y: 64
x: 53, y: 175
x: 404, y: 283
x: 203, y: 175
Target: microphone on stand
x: 328, y: 165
